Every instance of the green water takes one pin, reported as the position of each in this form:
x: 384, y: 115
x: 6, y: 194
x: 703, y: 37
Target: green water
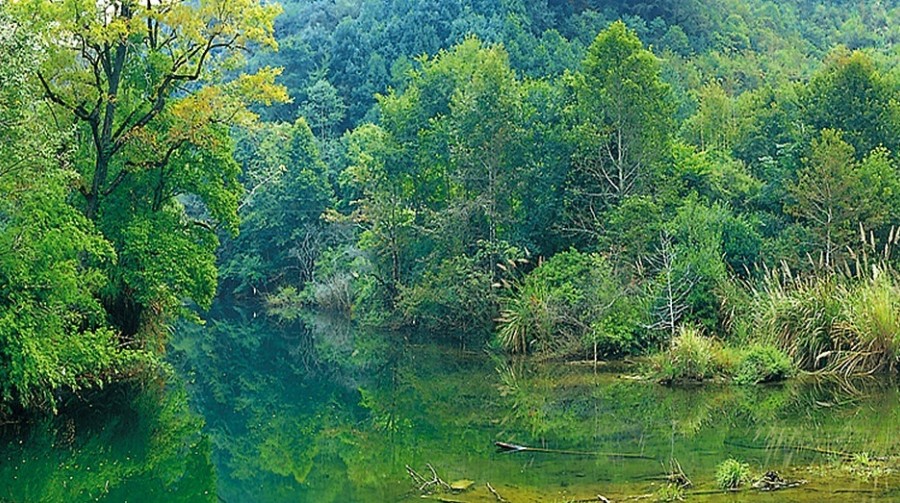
x: 320, y: 412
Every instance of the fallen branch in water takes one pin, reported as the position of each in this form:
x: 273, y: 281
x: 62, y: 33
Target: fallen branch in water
x: 507, y: 447
x: 677, y: 476
x: 771, y: 481
x: 425, y: 485
x: 493, y: 491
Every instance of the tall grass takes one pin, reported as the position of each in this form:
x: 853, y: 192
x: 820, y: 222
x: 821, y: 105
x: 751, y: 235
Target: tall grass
x: 691, y: 356
x: 800, y: 315
x: 871, y: 332
x: 845, y: 323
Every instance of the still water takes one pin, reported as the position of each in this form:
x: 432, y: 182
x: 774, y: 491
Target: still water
x: 316, y: 411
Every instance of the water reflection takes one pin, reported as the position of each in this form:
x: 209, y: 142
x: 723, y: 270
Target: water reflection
x: 132, y: 445
x: 314, y: 410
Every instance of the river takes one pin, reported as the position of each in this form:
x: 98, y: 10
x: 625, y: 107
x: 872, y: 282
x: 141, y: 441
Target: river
x: 317, y: 411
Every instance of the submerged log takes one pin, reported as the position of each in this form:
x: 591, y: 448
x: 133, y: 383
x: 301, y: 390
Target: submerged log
x: 508, y: 447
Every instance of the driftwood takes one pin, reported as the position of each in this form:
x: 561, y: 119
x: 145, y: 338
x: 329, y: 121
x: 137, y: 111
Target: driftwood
x: 771, y: 481
x: 507, y: 447
x: 425, y: 485
x: 677, y: 476
x: 596, y: 499
x: 493, y: 491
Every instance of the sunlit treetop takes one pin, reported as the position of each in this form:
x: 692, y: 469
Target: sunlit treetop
x: 150, y: 76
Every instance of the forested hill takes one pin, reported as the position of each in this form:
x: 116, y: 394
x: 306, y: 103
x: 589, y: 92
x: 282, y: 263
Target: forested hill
x: 580, y: 177
x: 364, y: 47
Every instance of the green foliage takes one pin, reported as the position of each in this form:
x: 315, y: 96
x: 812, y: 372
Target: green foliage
x: 763, y: 363
x: 622, y: 125
x: 282, y: 234
x: 691, y: 356
x: 54, y: 335
x: 828, y: 194
x: 669, y: 493
x: 152, y: 109
x: 799, y: 314
x: 732, y: 474
x: 870, y: 338
x: 567, y: 304
x: 842, y: 324
x: 455, y: 299
x: 850, y: 95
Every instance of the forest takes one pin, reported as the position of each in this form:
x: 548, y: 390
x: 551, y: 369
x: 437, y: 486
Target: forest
x: 462, y: 250
x: 711, y: 184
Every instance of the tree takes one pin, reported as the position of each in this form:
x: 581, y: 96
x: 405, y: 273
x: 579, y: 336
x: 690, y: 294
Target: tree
x: 485, y: 125
x: 715, y: 126
x: 828, y: 194
x: 624, y: 124
x: 282, y: 233
x: 322, y: 108
x: 383, y: 210
x: 53, y: 331
x: 850, y: 95
x: 143, y: 82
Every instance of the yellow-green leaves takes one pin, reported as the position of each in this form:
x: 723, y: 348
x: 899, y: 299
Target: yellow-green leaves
x: 153, y: 88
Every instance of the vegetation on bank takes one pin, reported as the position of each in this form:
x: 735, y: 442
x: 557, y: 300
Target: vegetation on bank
x: 586, y: 215
x: 575, y: 179
x: 116, y: 174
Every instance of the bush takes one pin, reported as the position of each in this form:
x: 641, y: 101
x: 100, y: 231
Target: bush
x: 456, y: 299
x: 525, y: 318
x: 691, y: 357
x: 763, y: 363
x: 569, y: 303
x: 732, y: 474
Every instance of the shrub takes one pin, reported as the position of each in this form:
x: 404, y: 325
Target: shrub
x: 569, y: 303
x: 525, y: 318
x: 455, y: 299
x: 731, y: 474
x: 763, y: 363
x: 690, y: 357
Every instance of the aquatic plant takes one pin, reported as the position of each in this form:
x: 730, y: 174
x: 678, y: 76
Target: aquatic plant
x: 732, y: 474
x: 669, y: 493
x: 866, y: 467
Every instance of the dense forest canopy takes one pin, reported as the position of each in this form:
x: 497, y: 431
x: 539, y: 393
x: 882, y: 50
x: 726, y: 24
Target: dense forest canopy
x: 579, y: 178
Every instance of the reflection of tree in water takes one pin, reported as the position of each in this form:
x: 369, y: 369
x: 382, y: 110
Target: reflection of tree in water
x: 278, y: 400
x: 560, y: 407
x: 318, y: 411
x: 128, y: 444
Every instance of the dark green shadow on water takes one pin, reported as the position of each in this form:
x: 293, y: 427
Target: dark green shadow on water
x: 319, y: 411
